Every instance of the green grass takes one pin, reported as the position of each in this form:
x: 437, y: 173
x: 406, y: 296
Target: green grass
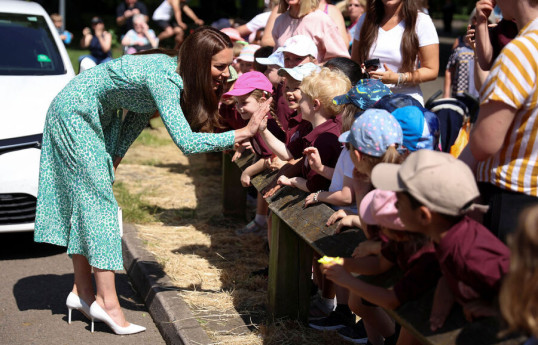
x: 135, y: 210
x: 148, y: 138
x: 75, y: 53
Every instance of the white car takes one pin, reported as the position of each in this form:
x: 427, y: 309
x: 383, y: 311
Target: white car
x: 34, y: 67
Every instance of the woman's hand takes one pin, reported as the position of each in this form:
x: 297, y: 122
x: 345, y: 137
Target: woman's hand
x: 336, y: 216
x: 386, y: 77
x: 116, y: 162
x: 314, y: 159
x: 86, y: 31
x: 258, y: 121
x: 483, y: 10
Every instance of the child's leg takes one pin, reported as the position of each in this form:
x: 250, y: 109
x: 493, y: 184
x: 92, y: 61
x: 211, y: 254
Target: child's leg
x: 261, y: 210
x: 376, y: 321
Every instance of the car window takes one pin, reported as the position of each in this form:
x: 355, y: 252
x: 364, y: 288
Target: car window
x: 27, y: 46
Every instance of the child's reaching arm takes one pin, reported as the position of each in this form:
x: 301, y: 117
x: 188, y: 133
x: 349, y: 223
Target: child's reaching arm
x: 276, y: 146
x: 380, y: 296
x: 297, y: 182
x: 314, y: 160
x: 342, y: 197
x: 254, y: 169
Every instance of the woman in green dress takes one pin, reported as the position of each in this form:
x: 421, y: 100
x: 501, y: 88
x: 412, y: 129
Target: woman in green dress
x: 85, y: 137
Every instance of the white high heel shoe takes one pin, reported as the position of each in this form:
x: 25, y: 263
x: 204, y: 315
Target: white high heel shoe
x: 96, y: 312
x: 75, y: 302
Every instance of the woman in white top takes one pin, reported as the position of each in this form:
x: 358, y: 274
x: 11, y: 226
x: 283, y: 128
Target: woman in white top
x: 402, y: 66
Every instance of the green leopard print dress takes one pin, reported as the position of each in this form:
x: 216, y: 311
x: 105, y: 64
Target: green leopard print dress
x: 84, y: 131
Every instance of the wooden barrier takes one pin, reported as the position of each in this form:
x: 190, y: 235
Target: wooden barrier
x: 298, y: 232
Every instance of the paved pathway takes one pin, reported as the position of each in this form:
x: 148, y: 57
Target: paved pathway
x: 35, y: 280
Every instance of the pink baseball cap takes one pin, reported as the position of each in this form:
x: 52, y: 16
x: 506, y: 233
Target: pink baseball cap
x: 378, y: 208
x: 249, y: 82
x: 232, y: 33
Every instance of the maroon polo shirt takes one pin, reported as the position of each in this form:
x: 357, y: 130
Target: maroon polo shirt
x: 419, y: 264
x: 472, y: 260
x: 325, y: 138
x: 260, y: 147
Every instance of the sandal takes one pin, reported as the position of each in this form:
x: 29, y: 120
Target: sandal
x: 251, y: 228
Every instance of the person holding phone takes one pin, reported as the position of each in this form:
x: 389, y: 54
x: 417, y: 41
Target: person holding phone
x: 98, y: 41
x: 401, y: 66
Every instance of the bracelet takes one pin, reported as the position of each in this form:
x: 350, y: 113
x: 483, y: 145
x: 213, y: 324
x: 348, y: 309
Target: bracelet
x: 316, y: 196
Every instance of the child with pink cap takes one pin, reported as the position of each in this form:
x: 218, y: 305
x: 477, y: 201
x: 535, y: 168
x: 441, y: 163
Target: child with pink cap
x: 249, y: 92
x: 414, y: 254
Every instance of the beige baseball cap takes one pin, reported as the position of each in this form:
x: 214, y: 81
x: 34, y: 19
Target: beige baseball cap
x: 439, y: 181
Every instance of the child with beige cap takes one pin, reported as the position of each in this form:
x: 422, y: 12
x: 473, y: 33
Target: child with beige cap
x: 435, y: 191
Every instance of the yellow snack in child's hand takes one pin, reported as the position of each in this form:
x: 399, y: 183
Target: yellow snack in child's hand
x: 328, y: 260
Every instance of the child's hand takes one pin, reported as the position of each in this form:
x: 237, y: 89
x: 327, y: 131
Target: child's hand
x: 245, y: 179
x: 309, y: 200
x: 335, y: 217
x: 337, y: 273
x: 276, y: 163
x: 443, y: 300
x: 272, y: 191
x: 346, y: 222
x: 366, y: 248
x: 284, y: 181
x: 313, y: 158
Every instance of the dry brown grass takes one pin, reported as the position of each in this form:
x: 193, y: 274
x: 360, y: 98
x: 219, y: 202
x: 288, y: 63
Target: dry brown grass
x: 198, y: 248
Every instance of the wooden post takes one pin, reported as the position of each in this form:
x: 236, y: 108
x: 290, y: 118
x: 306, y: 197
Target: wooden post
x: 234, y: 196
x: 290, y: 269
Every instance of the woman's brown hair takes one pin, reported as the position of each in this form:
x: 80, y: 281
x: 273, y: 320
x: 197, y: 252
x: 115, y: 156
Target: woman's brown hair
x: 375, y: 11
x: 519, y: 292
x: 199, y: 101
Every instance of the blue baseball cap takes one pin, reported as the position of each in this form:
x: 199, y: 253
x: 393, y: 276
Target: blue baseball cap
x: 416, y: 134
x: 276, y: 58
x: 364, y: 94
x: 299, y: 72
x: 398, y: 100
x: 373, y: 132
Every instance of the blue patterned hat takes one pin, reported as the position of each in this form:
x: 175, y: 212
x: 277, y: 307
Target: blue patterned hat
x: 364, y: 94
x: 373, y: 132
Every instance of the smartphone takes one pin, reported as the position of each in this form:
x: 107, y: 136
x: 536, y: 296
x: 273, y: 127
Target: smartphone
x: 473, y: 27
x: 371, y: 65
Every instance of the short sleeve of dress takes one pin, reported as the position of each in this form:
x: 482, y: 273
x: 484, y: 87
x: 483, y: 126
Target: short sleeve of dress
x: 166, y: 91
x: 512, y: 77
x: 425, y: 29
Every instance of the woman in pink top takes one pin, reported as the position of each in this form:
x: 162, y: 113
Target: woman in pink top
x: 301, y: 17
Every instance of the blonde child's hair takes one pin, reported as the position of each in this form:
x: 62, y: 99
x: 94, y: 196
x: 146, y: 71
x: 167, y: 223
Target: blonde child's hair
x: 306, y: 7
x: 519, y: 292
x: 324, y: 86
x: 258, y: 94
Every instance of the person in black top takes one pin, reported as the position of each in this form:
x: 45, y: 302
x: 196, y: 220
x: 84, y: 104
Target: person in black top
x: 125, y: 12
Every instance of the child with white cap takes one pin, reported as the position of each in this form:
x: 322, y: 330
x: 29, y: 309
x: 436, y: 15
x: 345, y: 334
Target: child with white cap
x: 246, y: 58
x: 435, y: 191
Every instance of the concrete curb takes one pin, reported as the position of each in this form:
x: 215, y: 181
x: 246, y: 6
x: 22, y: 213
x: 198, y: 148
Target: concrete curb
x: 169, y: 312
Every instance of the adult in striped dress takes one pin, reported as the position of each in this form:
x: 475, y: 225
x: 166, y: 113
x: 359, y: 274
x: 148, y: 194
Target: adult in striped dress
x: 504, y: 140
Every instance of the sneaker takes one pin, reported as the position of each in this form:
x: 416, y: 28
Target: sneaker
x: 252, y: 228
x: 334, y: 321
x: 318, y: 309
x: 356, y: 333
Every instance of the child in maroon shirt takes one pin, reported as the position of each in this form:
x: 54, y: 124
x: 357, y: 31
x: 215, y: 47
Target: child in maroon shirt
x: 316, y: 93
x: 435, y: 191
